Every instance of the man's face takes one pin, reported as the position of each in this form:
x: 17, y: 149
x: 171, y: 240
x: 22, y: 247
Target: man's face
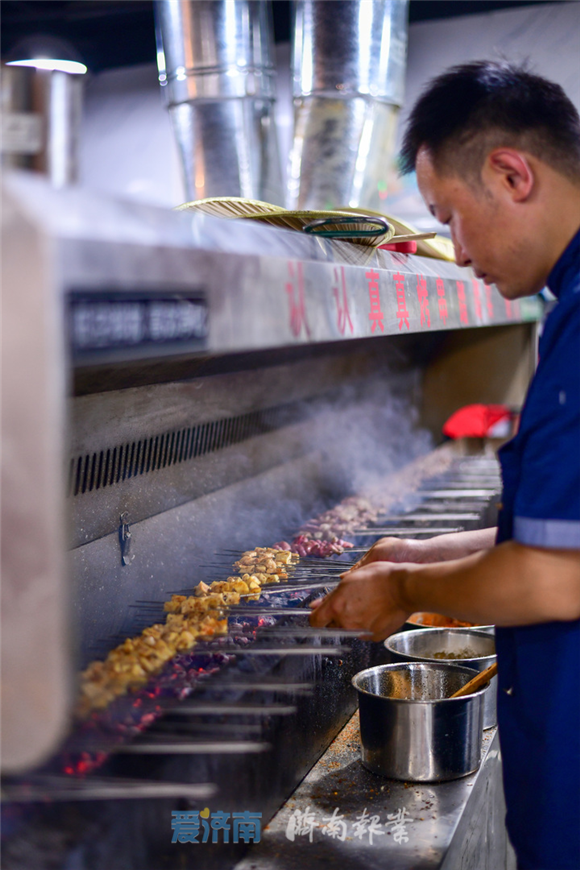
x: 486, y: 229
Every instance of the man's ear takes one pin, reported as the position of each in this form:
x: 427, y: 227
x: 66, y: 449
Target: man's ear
x: 512, y: 170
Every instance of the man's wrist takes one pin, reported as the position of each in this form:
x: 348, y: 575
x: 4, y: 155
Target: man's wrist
x: 402, y: 588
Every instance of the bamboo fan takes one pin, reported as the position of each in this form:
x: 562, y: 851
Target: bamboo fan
x: 358, y: 231
x: 229, y: 206
x: 428, y: 244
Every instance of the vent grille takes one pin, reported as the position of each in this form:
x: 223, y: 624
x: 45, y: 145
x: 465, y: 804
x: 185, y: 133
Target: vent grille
x: 106, y: 468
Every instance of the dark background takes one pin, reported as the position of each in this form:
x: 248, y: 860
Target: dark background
x: 115, y: 33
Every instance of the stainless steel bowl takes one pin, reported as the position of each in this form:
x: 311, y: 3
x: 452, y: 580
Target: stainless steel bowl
x: 421, y: 645
x: 411, y: 729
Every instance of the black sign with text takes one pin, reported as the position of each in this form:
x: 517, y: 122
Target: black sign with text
x: 104, y: 322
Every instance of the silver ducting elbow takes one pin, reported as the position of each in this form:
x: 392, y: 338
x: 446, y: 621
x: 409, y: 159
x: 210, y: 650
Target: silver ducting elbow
x: 349, y: 60
x: 216, y: 66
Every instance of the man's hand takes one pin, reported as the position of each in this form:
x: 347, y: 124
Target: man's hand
x: 397, y: 550
x: 365, y: 600
x: 511, y: 584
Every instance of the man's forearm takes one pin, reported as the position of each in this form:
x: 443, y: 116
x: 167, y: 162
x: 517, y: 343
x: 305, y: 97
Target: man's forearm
x: 506, y: 585
x: 457, y: 545
x: 441, y: 548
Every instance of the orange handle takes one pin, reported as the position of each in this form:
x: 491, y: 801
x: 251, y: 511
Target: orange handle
x: 477, y: 682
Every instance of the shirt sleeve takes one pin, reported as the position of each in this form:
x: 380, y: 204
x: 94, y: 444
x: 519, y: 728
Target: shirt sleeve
x: 547, y: 503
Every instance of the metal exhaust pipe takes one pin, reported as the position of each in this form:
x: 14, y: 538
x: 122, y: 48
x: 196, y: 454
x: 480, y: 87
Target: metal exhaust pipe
x: 42, y: 116
x: 216, y: 67
x: 349, y: 60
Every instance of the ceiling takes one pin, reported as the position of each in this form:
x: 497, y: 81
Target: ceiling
x: 115, y: 33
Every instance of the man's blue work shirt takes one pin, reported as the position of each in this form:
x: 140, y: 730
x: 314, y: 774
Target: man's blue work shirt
x: 539, y: 665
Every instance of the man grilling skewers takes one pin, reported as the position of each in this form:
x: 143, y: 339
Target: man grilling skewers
x: 497, y: 155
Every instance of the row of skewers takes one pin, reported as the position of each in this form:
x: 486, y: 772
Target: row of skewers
x: 191, y: 619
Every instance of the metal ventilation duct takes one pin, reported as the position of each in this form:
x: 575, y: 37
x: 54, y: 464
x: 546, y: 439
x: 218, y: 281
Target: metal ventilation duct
x: 349, y: 59
x: 41, y: 112
x: 215, y: 60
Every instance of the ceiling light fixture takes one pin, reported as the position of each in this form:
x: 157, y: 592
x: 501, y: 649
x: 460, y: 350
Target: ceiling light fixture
x: 47, y: 53
x: 52, y: 64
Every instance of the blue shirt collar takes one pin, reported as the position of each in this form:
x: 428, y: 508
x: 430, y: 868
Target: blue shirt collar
x: 566, y: 269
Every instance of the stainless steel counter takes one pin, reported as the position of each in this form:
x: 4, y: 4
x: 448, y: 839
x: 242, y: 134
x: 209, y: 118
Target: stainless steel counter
x: 342, y: 815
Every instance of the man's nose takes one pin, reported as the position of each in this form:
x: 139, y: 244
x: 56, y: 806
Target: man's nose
x: 461, y: 256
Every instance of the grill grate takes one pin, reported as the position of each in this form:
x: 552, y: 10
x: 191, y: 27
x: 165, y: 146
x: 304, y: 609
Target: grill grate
x: 108, y: 467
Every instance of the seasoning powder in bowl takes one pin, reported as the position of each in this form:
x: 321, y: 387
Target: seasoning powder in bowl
x: 472, y: 647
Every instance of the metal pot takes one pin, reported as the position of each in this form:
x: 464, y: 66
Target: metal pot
x: 422, y: 644
x: 411, y: 729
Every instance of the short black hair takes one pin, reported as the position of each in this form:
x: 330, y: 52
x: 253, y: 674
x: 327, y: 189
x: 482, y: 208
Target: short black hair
x: 474, y: 107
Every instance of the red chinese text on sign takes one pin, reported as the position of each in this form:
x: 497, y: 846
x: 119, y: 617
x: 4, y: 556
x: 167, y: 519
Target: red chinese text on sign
x: 297, y: 307
x: 443, y: 313
x: 402, y: 313
x: 339, y: 292
x: 477, y: 298
x: 508, y: 308
x: 375, y: 315
x: 423, y: 296
x: 463, y: 315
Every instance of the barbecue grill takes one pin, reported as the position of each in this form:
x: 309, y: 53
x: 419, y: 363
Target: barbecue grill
x: 179, y: 389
